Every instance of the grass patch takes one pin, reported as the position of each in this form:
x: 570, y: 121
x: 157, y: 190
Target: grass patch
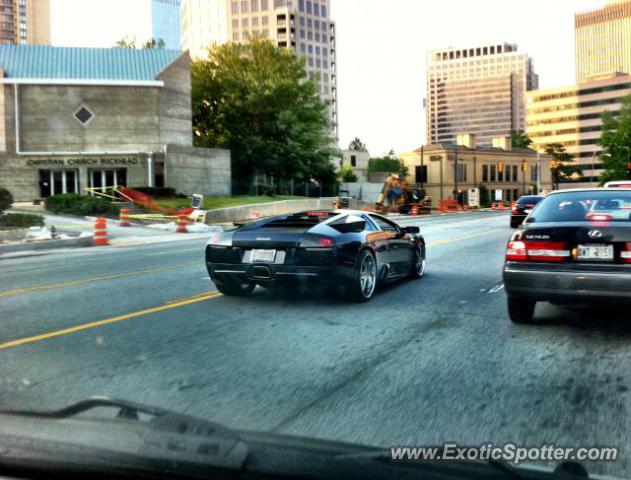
x: 20, y: 220
x: 213, y: 203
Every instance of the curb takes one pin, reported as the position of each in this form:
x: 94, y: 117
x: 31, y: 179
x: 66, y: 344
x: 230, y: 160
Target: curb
x: 80, y: 242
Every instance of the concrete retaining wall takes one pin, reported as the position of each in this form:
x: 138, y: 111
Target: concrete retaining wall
x: 244, y: 212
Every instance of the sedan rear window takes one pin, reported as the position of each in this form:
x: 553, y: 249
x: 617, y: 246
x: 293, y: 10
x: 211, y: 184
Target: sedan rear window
x: 594, y: 205
x: 532, y: 200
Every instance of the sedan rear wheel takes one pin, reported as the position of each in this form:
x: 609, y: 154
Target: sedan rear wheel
x: 521, y: 310
x: 365, y: 278
x: 235, y: 289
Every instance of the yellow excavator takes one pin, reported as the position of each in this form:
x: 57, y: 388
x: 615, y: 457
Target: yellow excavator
x: 399, y: 196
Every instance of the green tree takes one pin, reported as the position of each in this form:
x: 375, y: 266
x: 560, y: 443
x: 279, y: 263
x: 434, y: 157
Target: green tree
x: 153, y: 44
x: 519, y: 139
x: 616, y: 143
x: 357, y: 145
x: 562, y: 166
x: 390, y: 163
x: 256, y: 100
x: 347, y: 174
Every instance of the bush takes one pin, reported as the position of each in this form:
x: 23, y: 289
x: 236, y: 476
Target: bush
x: 73, y: 204
x: 387, y: 164
x: 348, y: 175
x: 20, y: 220
x: 6, y: 199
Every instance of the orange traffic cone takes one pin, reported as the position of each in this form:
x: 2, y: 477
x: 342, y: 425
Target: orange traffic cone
x: 182, y: 220
x: 100, y: 232
x: 124, y: 218
x: 414, y: 211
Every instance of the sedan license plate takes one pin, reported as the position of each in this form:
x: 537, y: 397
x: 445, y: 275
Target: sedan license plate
x: 595, y: 252
x: 263, y: 256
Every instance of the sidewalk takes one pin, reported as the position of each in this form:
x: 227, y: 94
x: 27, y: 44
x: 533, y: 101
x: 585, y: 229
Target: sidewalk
x: 118, y: 236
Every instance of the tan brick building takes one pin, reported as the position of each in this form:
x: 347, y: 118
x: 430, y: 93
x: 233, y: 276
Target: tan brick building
x: 443, y: 169
x: 25, y: 22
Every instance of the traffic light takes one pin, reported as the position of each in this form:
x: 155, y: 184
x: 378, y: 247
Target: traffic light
x: 500, y: 167
x: 628, y: 171
x: 524, y: 167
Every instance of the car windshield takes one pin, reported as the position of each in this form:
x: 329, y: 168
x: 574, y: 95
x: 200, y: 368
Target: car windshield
x: 585, y: 206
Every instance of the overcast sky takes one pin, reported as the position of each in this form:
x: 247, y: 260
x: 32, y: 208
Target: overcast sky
x: 381, y: 47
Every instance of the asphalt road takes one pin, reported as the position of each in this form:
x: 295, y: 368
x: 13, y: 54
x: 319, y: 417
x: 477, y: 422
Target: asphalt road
x: 425, y: 362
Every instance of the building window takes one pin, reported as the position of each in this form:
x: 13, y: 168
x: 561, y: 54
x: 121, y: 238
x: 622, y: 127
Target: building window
x: 244, y: 6
x: 500, y: 175
x: 534, y: 173
x: 254, y: 5
x: 309, y: 7
x: 310, y: 48
x: 462, y: 172
x: 515, y: 170
x: 265, y: 21
x: 255, y: 21
x: 235, y: 8
x: 84, y: 115
x: 323, y: 10
x: 55, y: 182
x: 265, y: 5
x: 316, y: 9
x: 244, y: 23
x: 493, y: 170
x: 235, y: 36
x: 353, y: 160
x: 107, y: 178
x: 485, y: 173
x: 301, y: 5
x: 235, y: 23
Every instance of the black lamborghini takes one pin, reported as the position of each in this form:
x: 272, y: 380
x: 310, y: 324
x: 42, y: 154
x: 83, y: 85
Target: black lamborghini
x: 356, y: 250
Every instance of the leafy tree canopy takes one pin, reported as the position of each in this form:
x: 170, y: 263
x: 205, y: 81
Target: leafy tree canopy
x: 563, y: 166
x: 616, y: 143
x: 357, y: 145
x: 153, y: 44
x: 519, y: 139
x: 256, y: 100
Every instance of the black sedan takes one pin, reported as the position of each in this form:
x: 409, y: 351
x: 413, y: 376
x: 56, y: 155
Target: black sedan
x: 522, y: 209
x: 575, y: 249
x: 357, y: 250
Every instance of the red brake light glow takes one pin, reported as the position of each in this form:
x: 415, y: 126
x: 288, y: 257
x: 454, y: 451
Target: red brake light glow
x: 326, y: 242
x: 626, y: 253
x: 318, y: 214
x: 537, y: 251
x: 599, y: 217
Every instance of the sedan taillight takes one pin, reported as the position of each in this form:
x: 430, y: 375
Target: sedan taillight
x: 626, y: 253
x: 537, y: 251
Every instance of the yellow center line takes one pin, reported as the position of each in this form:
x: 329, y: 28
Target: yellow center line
x: 72, y: 283
x: 460, y: 239
x: 108, y: 321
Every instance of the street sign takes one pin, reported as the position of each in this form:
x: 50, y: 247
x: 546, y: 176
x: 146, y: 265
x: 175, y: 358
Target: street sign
x: 499, y: 195
x: 198, y: 201
x: 474, y: 198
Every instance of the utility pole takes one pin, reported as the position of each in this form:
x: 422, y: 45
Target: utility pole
x: 538, y: 173
x: 456, y: 174
x: 422, y: 166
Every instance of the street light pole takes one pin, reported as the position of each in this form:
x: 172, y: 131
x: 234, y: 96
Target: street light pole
x: 538, y: 173
x: 456, y: 174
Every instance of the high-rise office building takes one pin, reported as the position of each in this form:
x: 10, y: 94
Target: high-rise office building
x: 479, y: 90
x: 166, y: 26
x: 303, y: 26
x: 204, y: 22
x: 25, y: 22
x: 572, y: 116
x: 603, y: 40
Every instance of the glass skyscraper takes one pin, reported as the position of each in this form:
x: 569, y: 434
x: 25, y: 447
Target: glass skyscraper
x: 166, y: 22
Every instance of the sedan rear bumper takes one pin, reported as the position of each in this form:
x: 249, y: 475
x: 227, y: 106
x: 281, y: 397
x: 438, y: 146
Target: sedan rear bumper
x: 542, y: 284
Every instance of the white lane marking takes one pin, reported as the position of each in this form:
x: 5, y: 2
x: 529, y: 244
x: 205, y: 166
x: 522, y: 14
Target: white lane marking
x: 496, y: 288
